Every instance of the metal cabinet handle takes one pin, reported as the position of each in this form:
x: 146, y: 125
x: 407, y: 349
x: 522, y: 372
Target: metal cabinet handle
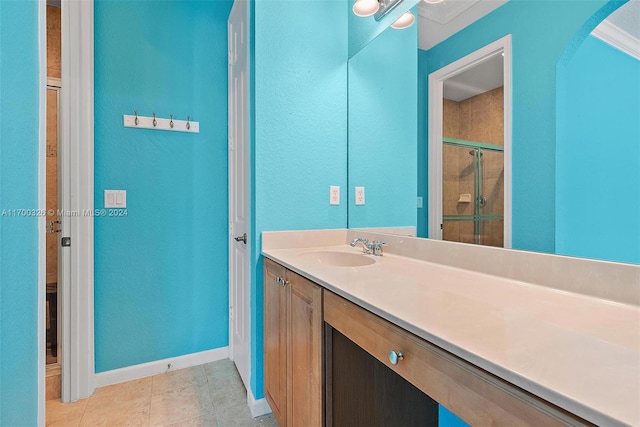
x: 242, y: 238
x: 281, y: 281
x: 394, y: 357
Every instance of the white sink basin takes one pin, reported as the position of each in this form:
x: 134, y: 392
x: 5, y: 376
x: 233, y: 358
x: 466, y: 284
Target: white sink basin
x: 337, y: 259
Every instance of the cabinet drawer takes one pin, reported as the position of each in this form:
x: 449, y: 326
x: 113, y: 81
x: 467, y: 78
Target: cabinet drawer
x: 475, y: 395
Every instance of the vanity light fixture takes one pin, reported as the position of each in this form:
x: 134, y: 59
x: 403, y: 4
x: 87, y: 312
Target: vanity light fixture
x: 364, y: 8
x: 405, y: 21
x: 380, y: 8
x: 433, y: 1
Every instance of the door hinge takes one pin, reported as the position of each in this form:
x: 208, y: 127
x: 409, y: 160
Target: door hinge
x: 65, y: 241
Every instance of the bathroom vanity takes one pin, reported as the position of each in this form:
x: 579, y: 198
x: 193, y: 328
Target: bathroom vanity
x: 351, y: 339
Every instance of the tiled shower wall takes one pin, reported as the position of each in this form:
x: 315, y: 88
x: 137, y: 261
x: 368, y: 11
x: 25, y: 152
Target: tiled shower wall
x: 53, y: 70
x: 479, y: 119
x: 54, y: 34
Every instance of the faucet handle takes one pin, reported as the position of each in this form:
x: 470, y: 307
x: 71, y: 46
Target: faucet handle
x: 377, y: 247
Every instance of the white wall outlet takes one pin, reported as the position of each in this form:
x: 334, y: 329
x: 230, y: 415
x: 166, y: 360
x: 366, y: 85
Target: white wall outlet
x: 359, y: 195
x: 419, y: 202
x: 334, y: 195
x: 116, y: 199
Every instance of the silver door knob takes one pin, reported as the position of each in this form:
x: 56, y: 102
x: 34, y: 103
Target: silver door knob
x: 242, y: 238
x: 394, y: 357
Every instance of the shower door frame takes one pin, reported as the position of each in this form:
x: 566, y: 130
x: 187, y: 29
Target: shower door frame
x: 436, y: 96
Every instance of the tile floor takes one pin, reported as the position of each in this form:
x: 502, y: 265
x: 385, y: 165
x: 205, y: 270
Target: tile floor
x: 210, y: 395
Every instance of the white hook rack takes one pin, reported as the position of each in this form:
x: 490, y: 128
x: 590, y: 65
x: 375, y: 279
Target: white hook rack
x: 161, y: 124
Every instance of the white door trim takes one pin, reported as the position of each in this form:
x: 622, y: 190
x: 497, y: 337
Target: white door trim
x: 77, y: 99
x: 42, y: 204
x: 436, y: 80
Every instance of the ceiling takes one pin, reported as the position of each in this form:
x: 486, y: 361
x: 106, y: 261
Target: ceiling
x: 439, y: 21
x: 483, y: 77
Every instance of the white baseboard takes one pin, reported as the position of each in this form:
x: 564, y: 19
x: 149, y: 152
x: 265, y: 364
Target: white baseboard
x: 257, y: 407
x: 135, y: 372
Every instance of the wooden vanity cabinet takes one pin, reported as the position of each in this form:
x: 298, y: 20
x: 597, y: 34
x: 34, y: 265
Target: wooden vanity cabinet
x: 275, y: 340
x: 475, y: 395
x: 292, y: 347
x: 375, y: 373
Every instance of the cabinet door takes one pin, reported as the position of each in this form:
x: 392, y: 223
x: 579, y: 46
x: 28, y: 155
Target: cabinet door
x: 305, y: 352
x: 275, y: 340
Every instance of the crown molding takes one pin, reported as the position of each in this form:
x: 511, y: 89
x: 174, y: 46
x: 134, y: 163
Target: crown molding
x: 618, y: 38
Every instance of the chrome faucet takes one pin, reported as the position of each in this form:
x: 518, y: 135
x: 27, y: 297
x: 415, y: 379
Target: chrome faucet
x: 368, y: 247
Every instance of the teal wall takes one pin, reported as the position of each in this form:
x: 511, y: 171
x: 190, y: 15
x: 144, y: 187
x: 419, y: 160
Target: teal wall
x: 161, y: 273
x: 299, y: 127
x: 541, y: 31
x: 19, y: 142
x: 598, y: 154
x: 422, y: 158
x: 383, y: 130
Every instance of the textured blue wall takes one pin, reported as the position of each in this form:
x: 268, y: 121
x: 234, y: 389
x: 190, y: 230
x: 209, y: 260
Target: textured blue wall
x: 541, y: 30
x: 598, y: 154
x: 299, y: 129
x: 19, y: 126
x: 383, y: 130
x: 161, y: 279
x: 422, y: 159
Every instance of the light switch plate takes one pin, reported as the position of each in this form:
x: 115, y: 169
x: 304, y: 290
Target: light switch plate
x: 359, y: 195
x: 115, y: 199
x: 334, y: 195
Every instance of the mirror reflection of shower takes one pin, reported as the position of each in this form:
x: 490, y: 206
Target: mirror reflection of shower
x: 473, y: 159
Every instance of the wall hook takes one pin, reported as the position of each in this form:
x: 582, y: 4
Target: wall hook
x: 159, y: 123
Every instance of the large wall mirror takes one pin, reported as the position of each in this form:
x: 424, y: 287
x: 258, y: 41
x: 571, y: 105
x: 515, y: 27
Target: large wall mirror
x: 575, y: 154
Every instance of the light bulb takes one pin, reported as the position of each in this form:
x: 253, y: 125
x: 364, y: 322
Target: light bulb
x: 365, y: 8
x: 404, y: 21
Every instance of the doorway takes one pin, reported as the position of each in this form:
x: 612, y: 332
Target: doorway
x: 470, y: 148
x: 53, y: 131
x: 69, y: 52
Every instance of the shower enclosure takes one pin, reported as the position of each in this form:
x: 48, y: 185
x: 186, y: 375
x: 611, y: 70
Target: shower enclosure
x: 473, y: 192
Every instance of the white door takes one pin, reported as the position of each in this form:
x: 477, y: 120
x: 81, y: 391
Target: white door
x: 239, y: 315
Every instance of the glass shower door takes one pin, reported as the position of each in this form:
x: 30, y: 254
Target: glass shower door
x: 490, y: 218
x: 473, y: 192
x: 458, y: 194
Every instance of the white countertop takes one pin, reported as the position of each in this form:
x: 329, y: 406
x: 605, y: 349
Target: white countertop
x: 578, y: 352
